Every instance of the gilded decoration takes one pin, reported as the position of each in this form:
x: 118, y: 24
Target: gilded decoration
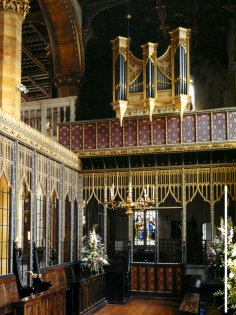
x: 182, y: 183
x: 23, y: 132
x: 20, y: 7
x: 67, y: 79
x: 135, y: 68
x: 164, y: 63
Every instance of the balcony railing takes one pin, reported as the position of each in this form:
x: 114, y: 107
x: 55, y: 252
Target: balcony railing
x: 45, y: 115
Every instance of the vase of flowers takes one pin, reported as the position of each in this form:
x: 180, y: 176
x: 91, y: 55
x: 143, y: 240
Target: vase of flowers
x: 94, y: 258
x: 217, y: 263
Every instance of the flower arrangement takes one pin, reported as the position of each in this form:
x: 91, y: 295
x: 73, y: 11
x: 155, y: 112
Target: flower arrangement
x: 93, y: 254
x: 216, y: 261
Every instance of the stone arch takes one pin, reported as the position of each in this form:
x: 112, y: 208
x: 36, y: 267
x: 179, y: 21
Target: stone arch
x: 63, y: 23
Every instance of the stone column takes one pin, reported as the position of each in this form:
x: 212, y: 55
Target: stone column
x: 12, y: 14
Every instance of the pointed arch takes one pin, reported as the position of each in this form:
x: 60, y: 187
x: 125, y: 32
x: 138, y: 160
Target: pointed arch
x: 4, y: 223
x: 23, y: 224
x: 40, y: 218
x: 4, y: 173
x: 54, y: 228
x: 67, y: 239
x: 76, y: 231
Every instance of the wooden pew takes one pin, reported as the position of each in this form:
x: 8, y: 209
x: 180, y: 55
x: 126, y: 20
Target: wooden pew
x: 51, y: 301
x: 8, y: 293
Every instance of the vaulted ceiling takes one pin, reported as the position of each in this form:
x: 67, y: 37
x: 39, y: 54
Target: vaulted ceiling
x: 150, y: 20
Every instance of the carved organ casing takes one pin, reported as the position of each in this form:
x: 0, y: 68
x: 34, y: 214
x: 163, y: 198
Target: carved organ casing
x: 154, y: 84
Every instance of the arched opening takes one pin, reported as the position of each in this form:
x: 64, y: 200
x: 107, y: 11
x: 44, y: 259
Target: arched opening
x: 4, y: 224
x: 23, y: 231
x: 198, y: 220
x: 54, y: 223
x: 40, y: 226
x: 76, y: 231
x: 67, y: 239
x: 169, y: 230
x: 95, y: 215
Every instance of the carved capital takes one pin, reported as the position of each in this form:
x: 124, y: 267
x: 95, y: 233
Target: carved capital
x: 67, y: 79
x: 20, y: 7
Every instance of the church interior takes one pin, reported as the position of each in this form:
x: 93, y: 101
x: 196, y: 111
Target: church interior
x: 118, y: 157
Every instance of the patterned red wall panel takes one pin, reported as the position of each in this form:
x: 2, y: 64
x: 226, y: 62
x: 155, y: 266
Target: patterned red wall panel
x: 135, y: 282
x: 130, y: 132
x: 232, y: 125
x: 90, y: 136
x: 64, y: 136
x: 77, y: 137
x: 188, y: 129
x: 178, y: 279
x: 173, y: 130
x: 161, y: 279
x: 143, y: 278
x: 203, y: 127
x: 144, y: 132
x: 116, y: 134
x: 219, y: 126
x: 103, y: 132
x: 159, y: 130
x: 170, y: 279
x: 151, y: 278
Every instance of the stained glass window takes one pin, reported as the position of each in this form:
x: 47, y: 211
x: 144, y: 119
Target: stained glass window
x: 139, y: 228
x: 150, y: 227
x: 145, y: 227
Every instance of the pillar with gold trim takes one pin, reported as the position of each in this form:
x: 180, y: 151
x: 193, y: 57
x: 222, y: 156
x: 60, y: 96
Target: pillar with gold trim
x: 120, y: 47
x: 150, y: 76
x: 180, y: 68
x: 12, y: 15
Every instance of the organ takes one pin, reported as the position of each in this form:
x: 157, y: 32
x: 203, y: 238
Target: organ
x: 154, y: 84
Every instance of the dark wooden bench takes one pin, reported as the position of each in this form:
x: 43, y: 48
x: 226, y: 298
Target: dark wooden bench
x: 51, y: 301
x: 8, y: 293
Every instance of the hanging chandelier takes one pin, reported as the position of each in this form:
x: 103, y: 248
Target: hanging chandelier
x: 146, y: 200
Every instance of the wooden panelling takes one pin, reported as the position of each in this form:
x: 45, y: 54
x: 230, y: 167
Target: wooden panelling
x: 52, y: 301
x: 91, y: 292
x: 8, y: 293
x: 161, y: 283
x: 160, y: 278
x: 169, y: 279
x: 143, y: 278
x: 151, y: 278
x: 135, y: 278
x: 178, y: 279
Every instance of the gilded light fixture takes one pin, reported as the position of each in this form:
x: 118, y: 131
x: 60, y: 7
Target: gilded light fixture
x: 143, y: 202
